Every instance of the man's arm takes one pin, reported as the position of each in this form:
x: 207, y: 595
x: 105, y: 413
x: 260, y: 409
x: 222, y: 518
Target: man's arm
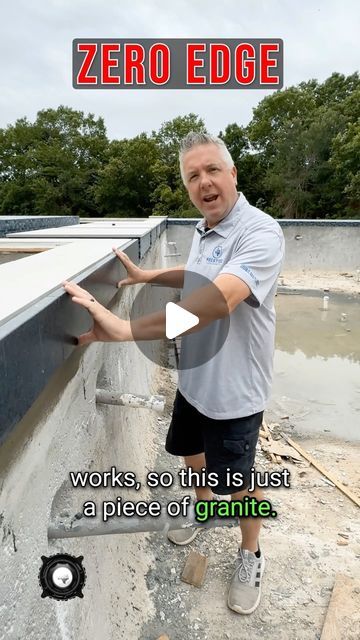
x: 208, y: 303
x: 169, y: 277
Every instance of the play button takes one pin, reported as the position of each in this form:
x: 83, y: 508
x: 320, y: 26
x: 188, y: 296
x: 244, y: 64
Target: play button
x: 176, y: 350
x: 178, y: 320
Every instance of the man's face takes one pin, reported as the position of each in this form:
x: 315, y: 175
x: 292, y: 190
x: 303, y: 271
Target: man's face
x: 211, y: 184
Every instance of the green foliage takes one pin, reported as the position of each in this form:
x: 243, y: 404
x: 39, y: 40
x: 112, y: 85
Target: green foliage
x: 296, y: 132
x: 125, y: 183
x: 248, y: 163
x: 345, y: 163
x: 298, y: 157
x: 49, y: 166
x: 169, y: 196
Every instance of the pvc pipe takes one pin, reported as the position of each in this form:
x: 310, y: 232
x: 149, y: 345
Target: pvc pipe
x: 325, y: 303
x: 156, y: 403
x: 174, y: 253
x: 85, y: 527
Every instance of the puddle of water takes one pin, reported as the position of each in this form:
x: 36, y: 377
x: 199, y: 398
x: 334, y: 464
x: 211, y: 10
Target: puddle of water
x: 317, y: 364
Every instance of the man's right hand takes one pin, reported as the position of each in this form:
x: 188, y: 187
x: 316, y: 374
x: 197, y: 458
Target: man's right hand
x: 168, y: 277
x: 135, y: 275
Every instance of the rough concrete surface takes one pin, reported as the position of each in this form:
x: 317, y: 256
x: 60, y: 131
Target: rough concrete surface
x: 339, y: 281
x: 66, y: 431
x: 300, y: 545
x: 133, y: 589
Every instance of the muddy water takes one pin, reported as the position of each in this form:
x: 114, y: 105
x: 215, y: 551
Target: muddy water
x: 317, y: 364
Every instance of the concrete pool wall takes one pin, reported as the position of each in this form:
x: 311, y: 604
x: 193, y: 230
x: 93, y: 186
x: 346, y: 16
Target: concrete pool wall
x: 327, y: 245
x: 64, y: 430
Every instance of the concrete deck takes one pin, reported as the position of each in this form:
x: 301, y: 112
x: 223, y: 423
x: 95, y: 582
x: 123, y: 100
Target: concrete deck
x: 145, y: 231
x: 35, y: 314
x: 12, y: 224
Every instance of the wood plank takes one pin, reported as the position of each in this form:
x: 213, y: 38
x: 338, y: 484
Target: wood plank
x: 322, y: 470
x: 280, y: 449
x: 266, y: 429
x: 195, y: 569
x: 342, y: 617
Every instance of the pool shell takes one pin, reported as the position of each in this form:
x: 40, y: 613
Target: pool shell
x: 64, y: 430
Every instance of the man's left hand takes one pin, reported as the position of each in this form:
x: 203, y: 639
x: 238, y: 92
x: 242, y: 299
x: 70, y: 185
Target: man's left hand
x: 107, y: 327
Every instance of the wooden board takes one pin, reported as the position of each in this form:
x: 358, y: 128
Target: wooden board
x: 322, y: 470
x: 195, y: 569
x: 342, y: 619
x: 268, y: 436
x: 279, y: 449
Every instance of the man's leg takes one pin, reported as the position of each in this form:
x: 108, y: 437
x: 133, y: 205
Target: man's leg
x: 185, y: 536
x: 185, y: 439
x: 245, y: 587
x: 197, y: 463
x: 250, y: 527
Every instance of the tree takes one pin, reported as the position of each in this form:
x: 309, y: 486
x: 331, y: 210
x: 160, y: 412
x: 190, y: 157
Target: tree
x: 298, y: 157
x: 248, y: 163
x: 49, y: 166
x: 345, y: 161
x: 293, y: 132
x: 125, y: 184
x: 170, y: 196
x: 273, y: 114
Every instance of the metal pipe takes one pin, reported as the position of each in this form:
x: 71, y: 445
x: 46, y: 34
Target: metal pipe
x: 156, y: 403
x: 174, y: 253
x: 85, y: 527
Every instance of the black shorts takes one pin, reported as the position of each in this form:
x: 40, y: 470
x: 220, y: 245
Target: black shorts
x: 227, y: 444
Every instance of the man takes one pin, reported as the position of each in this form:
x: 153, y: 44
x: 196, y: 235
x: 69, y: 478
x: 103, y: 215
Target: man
x: 219, y: 405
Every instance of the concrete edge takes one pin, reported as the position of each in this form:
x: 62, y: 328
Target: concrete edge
x: 37, y: 341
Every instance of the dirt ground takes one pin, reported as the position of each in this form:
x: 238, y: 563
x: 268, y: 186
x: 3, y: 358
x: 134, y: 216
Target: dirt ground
x: 300, y: 546
x: 346, y: 282
x: 315, y: 536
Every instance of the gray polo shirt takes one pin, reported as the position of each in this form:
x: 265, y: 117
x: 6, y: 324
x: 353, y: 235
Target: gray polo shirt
x: 236, y: 381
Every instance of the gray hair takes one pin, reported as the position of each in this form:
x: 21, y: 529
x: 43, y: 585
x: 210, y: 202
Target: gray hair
x: 194, y: 139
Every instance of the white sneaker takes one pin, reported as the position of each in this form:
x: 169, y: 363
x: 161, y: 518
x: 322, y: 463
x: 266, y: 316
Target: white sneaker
x: 182, y: 537
x: 245, y: 587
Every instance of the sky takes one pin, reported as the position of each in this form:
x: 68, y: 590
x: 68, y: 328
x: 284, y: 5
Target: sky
x: 320, y: 37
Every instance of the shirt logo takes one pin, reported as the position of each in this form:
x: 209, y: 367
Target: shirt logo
x: 216, y: 256
x: 217, y: 253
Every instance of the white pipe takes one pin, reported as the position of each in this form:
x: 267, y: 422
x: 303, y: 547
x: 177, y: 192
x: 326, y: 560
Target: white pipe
x: 156, y: 403
x: 85, y: 527
x: 174, y: 252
